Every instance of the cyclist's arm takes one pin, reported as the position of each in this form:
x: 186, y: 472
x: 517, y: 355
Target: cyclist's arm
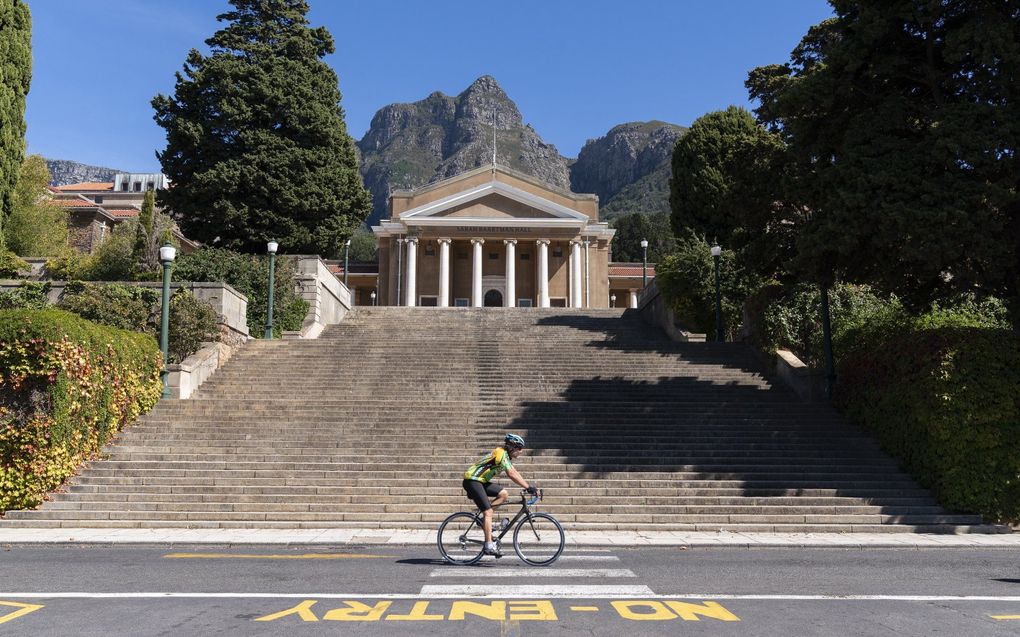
x: 515, y: 475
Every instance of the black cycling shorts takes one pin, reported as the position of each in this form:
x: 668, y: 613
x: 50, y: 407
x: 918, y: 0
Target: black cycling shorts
x: 480, y: 492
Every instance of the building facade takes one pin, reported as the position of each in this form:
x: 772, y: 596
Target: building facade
x: 493, y: 237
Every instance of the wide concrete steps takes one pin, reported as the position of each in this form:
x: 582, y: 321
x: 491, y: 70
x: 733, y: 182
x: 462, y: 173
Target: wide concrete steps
x: 373, y: 424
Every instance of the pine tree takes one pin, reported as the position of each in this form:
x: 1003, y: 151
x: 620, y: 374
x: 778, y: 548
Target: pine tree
x: 15, y: 77
x: 144, y: 230
x: 257, y: 147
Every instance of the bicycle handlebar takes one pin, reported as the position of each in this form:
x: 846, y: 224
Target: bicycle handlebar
x: 535, y: 498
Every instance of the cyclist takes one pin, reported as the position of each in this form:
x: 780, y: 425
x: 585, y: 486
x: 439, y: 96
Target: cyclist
x: 479, y: 488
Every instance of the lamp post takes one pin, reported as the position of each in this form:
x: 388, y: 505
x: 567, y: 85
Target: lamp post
x: 716, y: 253
x: 644, y: 263
x: 612, y: 300
x: 347, y: 252
x: 167, y: 253
x: 830, y: 377
x: 271, y: 248
x: 372, y: 295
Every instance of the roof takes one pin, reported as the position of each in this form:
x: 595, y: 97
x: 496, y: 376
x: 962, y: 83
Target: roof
x: 123, y: 213
x: 76, y: 202
x: 85, y: 185
x: 629, y: 269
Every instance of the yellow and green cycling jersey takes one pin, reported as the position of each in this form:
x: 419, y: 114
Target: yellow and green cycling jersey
x: 490, y: 466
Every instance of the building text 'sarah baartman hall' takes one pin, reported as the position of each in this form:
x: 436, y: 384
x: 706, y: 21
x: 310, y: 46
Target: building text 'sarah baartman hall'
x: 493, y: 237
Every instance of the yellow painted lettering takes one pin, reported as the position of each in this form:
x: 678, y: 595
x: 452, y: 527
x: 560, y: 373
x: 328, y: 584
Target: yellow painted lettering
x: 358, y: 612
x: 643, y: 611
x: 690, y: 612
x: 23, y: 609
x: 541, y: 610
x: 492, y: 610
x: 417, y: 614
x: 302, y: 610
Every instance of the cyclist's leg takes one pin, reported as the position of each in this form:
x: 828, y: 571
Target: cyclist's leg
x: 478, y: 493
x: 500, y: 496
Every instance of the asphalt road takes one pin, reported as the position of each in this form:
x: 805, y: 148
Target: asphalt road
x: 386, y: 590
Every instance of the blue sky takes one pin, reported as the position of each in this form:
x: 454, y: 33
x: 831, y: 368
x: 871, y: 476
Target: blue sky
x: 575, y: 68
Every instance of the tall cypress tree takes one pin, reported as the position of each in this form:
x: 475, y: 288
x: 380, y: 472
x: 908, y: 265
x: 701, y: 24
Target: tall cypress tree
x: 257, y: 148
x: 15, y: 77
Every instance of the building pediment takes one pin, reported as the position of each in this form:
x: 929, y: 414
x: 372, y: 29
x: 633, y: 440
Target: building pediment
x: 490, y: 201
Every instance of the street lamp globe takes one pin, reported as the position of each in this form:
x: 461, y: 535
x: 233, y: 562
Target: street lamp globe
x: 716, y: 250
x: 612, y: 300
x: 167, y: 254
x: 644, y: 243
x: 271, y: 247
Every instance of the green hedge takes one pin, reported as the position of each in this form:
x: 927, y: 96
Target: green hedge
x: 945, y: 400
x: 249, y: 275
x: 66, y: 386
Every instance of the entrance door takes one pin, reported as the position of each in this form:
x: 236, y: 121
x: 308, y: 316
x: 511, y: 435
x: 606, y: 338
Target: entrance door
x: 493, y: 298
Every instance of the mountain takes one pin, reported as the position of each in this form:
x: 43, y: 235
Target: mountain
x: 64, y: 172
x: 410, y: 145
x: 629, y: 168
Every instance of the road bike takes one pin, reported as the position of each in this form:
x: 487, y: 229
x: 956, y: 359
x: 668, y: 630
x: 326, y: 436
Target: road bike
x: 538, y: 537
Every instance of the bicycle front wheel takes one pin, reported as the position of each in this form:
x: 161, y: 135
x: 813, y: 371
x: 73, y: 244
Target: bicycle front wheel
x: 539, y: 539
x: 461, y: 539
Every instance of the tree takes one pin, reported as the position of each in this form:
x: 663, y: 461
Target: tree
x: 145, y: 227
x: 15, y: 77
x: 364, y: 246
x: 726, y: 186
x: 632, y: 228
x: 257, y: 148
x: 36, y: 227
x: 902, y: 123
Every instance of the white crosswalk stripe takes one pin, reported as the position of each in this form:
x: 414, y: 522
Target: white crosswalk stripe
x: 470, y: 571
x: 535, y: 590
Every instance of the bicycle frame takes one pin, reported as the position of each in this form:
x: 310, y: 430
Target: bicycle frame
x: 525, y: 511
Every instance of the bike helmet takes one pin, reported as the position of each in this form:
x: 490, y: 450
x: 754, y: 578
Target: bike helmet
x: 514, y: 439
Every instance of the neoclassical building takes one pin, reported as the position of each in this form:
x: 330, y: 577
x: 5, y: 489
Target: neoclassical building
x: 493, y: 237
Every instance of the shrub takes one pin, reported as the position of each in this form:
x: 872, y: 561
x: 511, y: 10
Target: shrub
x: 687, y: 279
x: 114, y: 259
x: 66, y: 386
x: 123, y: 306
x: 10, y: 265
x: 192, y: 322
x: 941, y: 395
x: 249, y: 275
x: 28, y: 296
x: 791, y: 318
x: 69, y: 267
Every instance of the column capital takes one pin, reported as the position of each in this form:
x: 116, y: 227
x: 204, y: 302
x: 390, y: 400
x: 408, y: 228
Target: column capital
x: 411, y: 239
x: 542, y: 242
x: 477, y: 241
x: 576, y: 242
x: 509, y: 242
x: 445, y: 240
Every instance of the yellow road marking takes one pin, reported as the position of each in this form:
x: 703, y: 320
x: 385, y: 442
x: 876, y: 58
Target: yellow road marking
x: 255, y: 556
x: 585, y: 608
x: 23, y: 609
x: 1005, y: 616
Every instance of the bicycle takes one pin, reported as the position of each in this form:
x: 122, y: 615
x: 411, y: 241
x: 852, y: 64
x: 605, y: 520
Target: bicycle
x: 538, y: 537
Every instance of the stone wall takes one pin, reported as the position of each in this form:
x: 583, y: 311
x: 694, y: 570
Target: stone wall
x: 328, y: 298
x: 655, y: 310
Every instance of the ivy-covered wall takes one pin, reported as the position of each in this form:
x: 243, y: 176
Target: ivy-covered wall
x: 66, y: 386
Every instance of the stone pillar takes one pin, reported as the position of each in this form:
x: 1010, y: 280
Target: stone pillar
x: 543, y: 272
x: 633, y: 298
x: 575, y: 273
x: 510, y: 300
x: 444, y: 272
x: 587, y: 277
x: 412, y: 271
x: 476, y: 272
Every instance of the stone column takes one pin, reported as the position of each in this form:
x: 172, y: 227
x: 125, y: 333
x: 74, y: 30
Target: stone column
x: 444, y: 272
x: 412, y: 271
x: 633, y: 298
x: 476, y: 272
x: 510, y: 300
x: 543, y: 272
x: 587, y: 277
x: 575, y: 273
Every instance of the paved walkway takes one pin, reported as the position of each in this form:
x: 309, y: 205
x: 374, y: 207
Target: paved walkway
x: 310, y: 537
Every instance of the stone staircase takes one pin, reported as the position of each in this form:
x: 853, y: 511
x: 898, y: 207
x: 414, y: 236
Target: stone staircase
x: 373, y: 424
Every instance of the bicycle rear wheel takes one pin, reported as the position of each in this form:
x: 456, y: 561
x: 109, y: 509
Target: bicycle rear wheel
x: 539, y: 539
x: 461, y: 539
